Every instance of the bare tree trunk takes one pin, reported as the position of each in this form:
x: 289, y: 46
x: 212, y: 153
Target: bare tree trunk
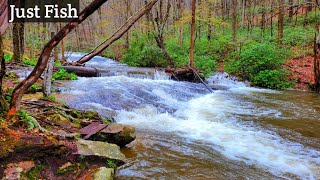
x: 271, y: 20
x: 263, y: 18
x: 158, y: 26
x: 148, y: 18
x: 210, y: 23
x: 181, y: 26
x: 193, y: 28
x: 308, y: 9
x: 44, y: 57
x: 280, y: 21
x: 290, y: 10
x: 234, y: 22
x: 63, y: 57
x: 18, y: 41
x: 47, y: 81
x: 127, y: 43
x: 118, y: 34
x: 243, y: 13
x: 3, y: 103
x: 18, y: 36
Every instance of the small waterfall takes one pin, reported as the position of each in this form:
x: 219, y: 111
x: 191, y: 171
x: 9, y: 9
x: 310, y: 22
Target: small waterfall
x: 107, y: 67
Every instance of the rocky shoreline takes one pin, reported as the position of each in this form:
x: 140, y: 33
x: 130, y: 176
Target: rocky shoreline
x: 54, y: 141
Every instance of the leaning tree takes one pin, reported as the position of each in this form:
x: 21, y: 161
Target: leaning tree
x: 47, y: 50
x: 44, y: 57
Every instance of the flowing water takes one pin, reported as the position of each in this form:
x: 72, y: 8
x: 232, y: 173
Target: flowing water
x: 185, y: 132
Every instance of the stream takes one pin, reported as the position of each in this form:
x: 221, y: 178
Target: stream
x: 186, y: 132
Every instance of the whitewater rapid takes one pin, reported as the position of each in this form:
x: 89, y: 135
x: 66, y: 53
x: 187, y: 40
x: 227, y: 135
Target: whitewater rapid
x: 225, y: 120
x: 186, y: 110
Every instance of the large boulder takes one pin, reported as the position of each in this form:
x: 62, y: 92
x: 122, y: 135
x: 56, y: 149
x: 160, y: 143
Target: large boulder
x: 117, y: 134
x: 100, y: 149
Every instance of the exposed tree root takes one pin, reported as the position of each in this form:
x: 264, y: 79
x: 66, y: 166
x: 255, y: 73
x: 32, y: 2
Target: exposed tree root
x: 66, y: 135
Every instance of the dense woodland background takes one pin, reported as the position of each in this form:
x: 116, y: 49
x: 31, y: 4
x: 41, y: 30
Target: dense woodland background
x: 248, y: 38
x: 271, y: 43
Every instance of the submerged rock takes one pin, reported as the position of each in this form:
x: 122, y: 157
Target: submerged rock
x: 100, y: 149
x: 219, y: 87
x: 117, y: 134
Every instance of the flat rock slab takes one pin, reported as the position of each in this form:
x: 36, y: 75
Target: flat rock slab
x: 99, y: 149
x: 113, y: 128
x: 92, y: 129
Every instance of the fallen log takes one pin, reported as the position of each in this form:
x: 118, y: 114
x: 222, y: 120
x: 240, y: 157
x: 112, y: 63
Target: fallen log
x: 81, y: 71
x: 183, y: 74
x: 187, y: 74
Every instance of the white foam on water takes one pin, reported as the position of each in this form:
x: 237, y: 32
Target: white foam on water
x: 211, y: 119
x: 225, y: 79
x: 161, y: 75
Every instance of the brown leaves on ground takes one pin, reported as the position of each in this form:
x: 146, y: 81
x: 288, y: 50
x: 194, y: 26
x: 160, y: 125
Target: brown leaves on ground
x: 301, y: 71
x: 14, y: 170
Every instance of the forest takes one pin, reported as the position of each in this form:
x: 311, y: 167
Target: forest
x: 161, y: 89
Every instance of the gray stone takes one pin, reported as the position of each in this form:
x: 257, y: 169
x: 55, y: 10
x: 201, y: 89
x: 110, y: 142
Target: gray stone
x: 100, y: 149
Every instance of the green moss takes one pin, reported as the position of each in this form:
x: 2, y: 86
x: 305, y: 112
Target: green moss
x: 34, y: 173
x: 76, y: 114
x: 91, y: 114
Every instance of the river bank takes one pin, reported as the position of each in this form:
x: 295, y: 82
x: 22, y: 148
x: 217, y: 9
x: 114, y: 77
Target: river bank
x: 51, y: 140
x: 237, y: 131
